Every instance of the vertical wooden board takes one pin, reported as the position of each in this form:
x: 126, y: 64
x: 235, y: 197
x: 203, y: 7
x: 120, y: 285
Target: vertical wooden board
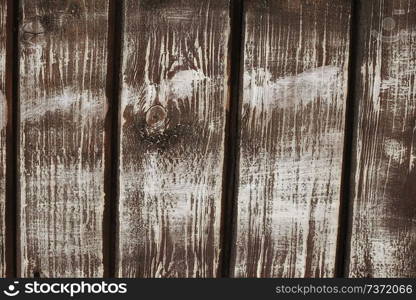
x: 292, y: 137
x: 3, y: 121
x: 173, y: 109
x: 383, y: 234
x: 63, y: 61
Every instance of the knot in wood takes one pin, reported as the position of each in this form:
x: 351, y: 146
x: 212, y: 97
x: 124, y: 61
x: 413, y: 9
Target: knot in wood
x: 156, y: 118
x: 33, y: 27
x: 32, y: 30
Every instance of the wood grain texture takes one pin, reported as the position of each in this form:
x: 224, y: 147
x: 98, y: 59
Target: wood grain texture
x: 292, y: 137
x: 173, y: 110
x: 3, y: 121
x: 383, y: 234
x: 62, y: 105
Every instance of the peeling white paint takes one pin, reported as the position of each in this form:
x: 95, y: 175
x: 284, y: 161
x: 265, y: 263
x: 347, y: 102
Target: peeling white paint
x: 61, y: 159
x: 383, y: 237
x: 264, y: 93
x: 294, y: 99
x: 3, y: 111
x: 3, y: 142
x: 170, y: 199
x: 182, y: 85
x: 177, y: 194
x: 69, y: 231
x: 70, y: 100
x: 395, y: 150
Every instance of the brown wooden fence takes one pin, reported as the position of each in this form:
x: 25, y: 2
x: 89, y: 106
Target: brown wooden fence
x: 208, y: 138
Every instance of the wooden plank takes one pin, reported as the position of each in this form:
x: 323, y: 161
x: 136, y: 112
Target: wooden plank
x: 63, y: 62
x: 3, y: 122
x: 292, y: 137
x: 173, y: 109
x: 383, y: 234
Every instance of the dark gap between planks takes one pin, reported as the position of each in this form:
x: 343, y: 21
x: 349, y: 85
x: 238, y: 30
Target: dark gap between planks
x: 12, y: 80
x: 111, y: 138
x: 345, y: 209
x: 232, y: 137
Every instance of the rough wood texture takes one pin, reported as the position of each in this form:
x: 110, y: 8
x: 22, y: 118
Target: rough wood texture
x: 173, y: 110
x: 292, y: 137
x: 3, y: 121
x: 63, y: 61
x: 383, y: 235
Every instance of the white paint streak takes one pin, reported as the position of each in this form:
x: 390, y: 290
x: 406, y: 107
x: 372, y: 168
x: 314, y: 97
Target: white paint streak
x: 183, y: 85
x: 264, y: 93
x: 69, y: 101
x: 294, y: 99
x: 3, y: 111
x: 3, y: 143
x: 177, y: 195
x: 67, y: 230
x: 383, y: 234
x: 62, y: 104
x: 395, y: 150
x: 175, y: 191
x: 170, y: 198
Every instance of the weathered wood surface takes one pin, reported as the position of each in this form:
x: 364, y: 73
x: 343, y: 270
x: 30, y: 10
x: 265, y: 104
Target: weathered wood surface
x: 173, y: 110
x: 292, y: 137
x: 383, y: 235
x: 3, y: 122
x: 62, y: 105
